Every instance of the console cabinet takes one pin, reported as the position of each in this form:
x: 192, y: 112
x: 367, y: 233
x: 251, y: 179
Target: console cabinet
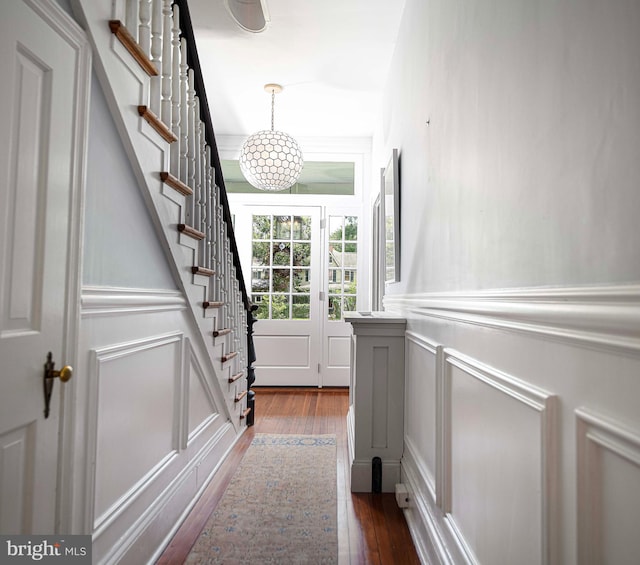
x: 375, y: 421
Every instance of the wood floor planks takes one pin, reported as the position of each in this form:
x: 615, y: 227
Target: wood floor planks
x: 372, y: 529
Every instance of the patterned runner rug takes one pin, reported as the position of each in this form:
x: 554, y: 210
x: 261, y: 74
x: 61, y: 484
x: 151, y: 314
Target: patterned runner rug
x: 280, y: 507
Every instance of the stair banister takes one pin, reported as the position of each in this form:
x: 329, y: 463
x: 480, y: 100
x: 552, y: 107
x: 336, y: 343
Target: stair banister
x: 194, y: 63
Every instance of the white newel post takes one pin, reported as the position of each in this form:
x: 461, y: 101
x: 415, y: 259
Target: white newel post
x: 375, y: 421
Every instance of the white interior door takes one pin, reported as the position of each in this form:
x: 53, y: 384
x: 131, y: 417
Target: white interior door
x: 280, y: 247
x: 39, y: 105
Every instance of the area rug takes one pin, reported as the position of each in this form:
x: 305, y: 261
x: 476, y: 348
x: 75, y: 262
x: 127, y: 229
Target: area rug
x: 280, y: 507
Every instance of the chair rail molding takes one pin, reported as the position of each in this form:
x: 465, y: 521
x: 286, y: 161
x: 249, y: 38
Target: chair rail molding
x: 100, y: 300
x: 599, y: 317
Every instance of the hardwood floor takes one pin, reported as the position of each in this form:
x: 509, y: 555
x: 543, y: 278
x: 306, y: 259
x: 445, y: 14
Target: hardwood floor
x: 372, y: 529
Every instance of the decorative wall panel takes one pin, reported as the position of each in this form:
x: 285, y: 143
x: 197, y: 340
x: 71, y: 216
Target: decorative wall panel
x: 135, y: 401
x: 499, y: 462
x: 608, y: 468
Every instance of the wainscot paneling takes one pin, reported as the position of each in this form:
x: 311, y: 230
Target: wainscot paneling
x: 421, y: 405
x: 608, y: 469
x: 499, y: 461
x: 134, y: 383
x: 155, y: 423
x: 200, y: 407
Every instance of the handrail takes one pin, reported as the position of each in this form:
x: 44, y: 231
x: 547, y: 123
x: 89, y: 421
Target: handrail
x: 205, y: 115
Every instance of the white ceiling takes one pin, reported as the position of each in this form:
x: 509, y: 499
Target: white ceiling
x: 331, y: 56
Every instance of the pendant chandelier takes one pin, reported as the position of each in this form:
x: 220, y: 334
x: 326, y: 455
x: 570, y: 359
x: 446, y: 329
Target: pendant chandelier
x: 271, y: 160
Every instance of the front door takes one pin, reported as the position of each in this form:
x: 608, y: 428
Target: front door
x: 281, y: 256
x: 304, y: 276
x: 39, y: 105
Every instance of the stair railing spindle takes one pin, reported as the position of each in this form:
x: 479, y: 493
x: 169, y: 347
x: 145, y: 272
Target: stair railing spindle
x: 156, y: 54
x: 191, y: 149
x: 144, y: 30
x: 184, y: 118
x: 175, y: 92
x: 132, y: 20
x: 167, y: 63
x: 204, y: 218
x: 210, y: 220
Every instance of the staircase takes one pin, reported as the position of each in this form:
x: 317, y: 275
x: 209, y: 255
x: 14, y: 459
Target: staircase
x: 147, y: 64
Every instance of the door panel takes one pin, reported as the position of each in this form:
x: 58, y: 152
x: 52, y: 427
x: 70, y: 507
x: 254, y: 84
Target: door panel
x: 38, y: 103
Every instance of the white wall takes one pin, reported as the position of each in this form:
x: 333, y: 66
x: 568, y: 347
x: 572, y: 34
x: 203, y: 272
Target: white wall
x: 528, y: 172
x: 520, y: 277
x: 121, y: 248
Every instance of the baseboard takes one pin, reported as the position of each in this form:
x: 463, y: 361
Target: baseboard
x: 427, y: 524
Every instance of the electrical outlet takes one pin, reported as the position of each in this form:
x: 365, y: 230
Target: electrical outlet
x: 402, y: 496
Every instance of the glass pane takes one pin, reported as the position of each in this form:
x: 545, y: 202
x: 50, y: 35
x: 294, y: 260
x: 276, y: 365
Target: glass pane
x: 349, y: 303
x: 335, y: 227
x: 302, y: 254
x: 300, y: 307
x: 335, y: 310
x: 282, y: 227
x: 335, y: 281
x: 280, y: 307
x: 260, y: 253
x: 389, y: 255
x: 281, y: 280
x: 301, y: 280
x: 389, y: 228
x: 262, y: 313
x: 261, y: 227
x: 281, y: 253
x: 351, y: 248
x: 350, y: 286
x: 260, y: 280
x: 335, y: 256
x: 302, y: 227
x: 351, y: 227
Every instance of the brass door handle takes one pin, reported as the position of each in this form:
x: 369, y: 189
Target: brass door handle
x: 63, y: 374
x: 50, y: 374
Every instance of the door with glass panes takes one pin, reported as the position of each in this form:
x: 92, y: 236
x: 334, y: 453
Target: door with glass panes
x: 280, y: 256
x: 340, y: 285
x: 303, y: 275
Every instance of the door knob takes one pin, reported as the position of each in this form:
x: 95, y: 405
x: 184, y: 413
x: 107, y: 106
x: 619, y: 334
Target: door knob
x: 50, y: 374
x: 63, y: 374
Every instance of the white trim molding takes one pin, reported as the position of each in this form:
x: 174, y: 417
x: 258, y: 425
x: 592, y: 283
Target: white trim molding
x: 102, y: 300
x: 545, y: 404
x: 600, y: 317
x: 595, y: 433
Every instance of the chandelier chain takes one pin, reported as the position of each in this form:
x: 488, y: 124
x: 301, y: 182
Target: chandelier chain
x: 273, y: 103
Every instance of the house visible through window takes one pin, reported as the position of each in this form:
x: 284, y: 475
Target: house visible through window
x: 343, y: 264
